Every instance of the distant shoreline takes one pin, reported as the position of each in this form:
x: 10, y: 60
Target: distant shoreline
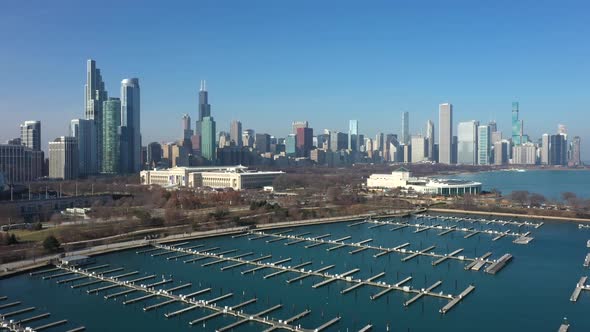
x: 514, y: 215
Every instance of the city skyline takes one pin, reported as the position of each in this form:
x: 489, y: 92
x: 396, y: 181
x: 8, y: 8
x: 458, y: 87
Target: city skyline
x: 261, y: 90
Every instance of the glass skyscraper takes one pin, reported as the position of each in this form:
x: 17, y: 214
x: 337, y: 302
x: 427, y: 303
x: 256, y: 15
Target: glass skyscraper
x: 406, y: 128
x: 353, y: 135
x: 208, y: 138
x: 516, y: 125
x: 95, y: 95
x: 467, y: 142
x: 111, y: 155
x: 85, y: 133
x: 130, y: 126
x: 483, y: 145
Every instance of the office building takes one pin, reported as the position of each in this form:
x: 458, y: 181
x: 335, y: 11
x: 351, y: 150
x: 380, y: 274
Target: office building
x: 353, y: 135
x: 204, y: 107
x: 484, y: 146
x: 304, y: 141
x: 405, y: 128
x: 291, y: 145
x: 338, y: 141
x: 418, y: 149
x: 501, y: 149
x: 495, y: 136
x: 248, y: 138
x: 445, y: 133
x: 85, y: 133
x: 63, y: 158
x: 20, y: 164
x: 517, y: 125
x: 524, y: 154
x: 95, y: 95
x: 545, y: 149
x: 154, y: 155
x: 430, y: 140
x: 187, y: 132
x: 30, y: 135
x: 235, y: 133
x: 575, y: 159
x: 298, y: 124
x: 262, y: 143
x: 467, y: 142
x: 208, y: 143
x: 112, y: 135
x: 557, y: 150
x: 130, y: 126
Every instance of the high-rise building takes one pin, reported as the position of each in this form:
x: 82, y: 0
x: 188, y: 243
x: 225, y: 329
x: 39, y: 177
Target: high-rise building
x: 557, y: 149
x: 501, y: 152
x: 576, y: 159
x: 223, y: 139
x: 445, y: 133
x: 112, y: 133
x: 85, y: 133
x: 291, y: 145
x: 524, y: 154
x: 204, y: 106
x: 484, y: 147
x: 130, y: 126
x: 235, y: 133
x: 304, y: 141
x: 187, y: 132
x: 154, y: 154
x: 208, y: 138
x: 95, y: 95
x: 405, y: 128
x: 338, y: 141
x: 30, y: 135
x: 467, y: 142
x: 495, y: 136
x: 545, y: 149
x: 262, y: 143
x: 353, y: 135
x: 248, y: 138
x: 418, y: 149
x: 20, y: 164
x: 430, y: 140
x: 493, y: 126
x: 517, y: 125
x: 63, y: 158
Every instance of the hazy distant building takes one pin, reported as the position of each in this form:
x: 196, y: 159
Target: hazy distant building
x: 291, y: 145
x: 338, y: 141
x: 235, y: 133
x: 405, y: 139
x: 208, y: 143
x: 524, y: 154
x: 187, y: 132
x: 353, y: 135
x: 418, y: 148
x: 430, y: 140
x: 154, y: 154
x: 85, y: 133
x: 30, y: 135
x: 467, y: 142
x: 576, y: 159
x: 445, y: 132
x: 130, y: 126
x: 63, y: 158
x: 495, y: 136
x: 501, y: 152
x: 517, y: 125
x: 298, y: 124
x: 545, y: 149
x: 557, y: 149
x: 484, y: 147
x: 204, y: 107
x: 248, y: 138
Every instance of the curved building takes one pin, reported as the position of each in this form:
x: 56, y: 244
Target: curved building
x: 130, y: 126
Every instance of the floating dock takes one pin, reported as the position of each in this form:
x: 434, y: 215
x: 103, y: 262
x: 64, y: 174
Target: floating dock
x: 587, y: 260
x: 21, y: 325
x: 579, y: 287
x: 498, y: 265
x: 457, y: 299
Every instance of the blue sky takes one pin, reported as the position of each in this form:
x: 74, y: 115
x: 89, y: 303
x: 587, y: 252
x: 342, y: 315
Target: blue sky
x: 270, y: 62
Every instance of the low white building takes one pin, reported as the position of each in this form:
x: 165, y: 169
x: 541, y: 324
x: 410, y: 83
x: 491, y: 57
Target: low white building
x: 402, y: 178
x: 235, y: 177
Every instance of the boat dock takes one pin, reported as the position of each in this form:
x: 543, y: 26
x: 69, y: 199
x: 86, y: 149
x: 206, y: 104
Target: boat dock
x: 192, y: 303
x: 498, y: 265
x: 422, y: 293
x: 482, y: 220
x: 581, y: 285
x: 457, y: 299
x: 9, y: 323
x: 442, y: 259
x: 587, y: 260
x: 328, y: 278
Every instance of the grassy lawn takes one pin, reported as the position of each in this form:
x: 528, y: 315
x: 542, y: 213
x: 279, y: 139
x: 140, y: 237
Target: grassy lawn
x: 32, y: 236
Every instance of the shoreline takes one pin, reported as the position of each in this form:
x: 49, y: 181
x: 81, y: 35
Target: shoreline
x: 514, y: 215
x: 14, y: 268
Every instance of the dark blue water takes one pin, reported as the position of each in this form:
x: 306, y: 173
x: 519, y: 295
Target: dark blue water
x: 550, y: 183
x: 531, y: 294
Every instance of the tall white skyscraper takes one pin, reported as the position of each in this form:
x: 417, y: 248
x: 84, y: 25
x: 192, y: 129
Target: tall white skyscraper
x: 467, y: 142
x: 353, y: 135
x: 405, y: 128
x: 30, y: 135
x: 418, y: 148
x: 430, y: 140
x: 483, y: 145
x: 130, y: 126
x: 445, y: 133
x: 545, y: 149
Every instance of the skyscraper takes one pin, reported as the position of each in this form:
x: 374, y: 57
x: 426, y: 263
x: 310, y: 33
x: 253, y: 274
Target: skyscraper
x: 483, y: 145
x: 418, y: 149
x: 19, y: 164
x: 557, y: 149
x: 235, y: 133
x: 445, y: 133
x: 186, y: 127
x: 63, y: 158
x: 516, y: 125
x: 406, y: 128
x: 545, y: 149
x: 85, y: 133
x: 154, y: 154
x: 204, y: 107
x: 501, y: 152
x: 130, y: 126
x: 208, y: 143
x: 30, y: 135
x: 304, y: 141
x: 291, y: 145
x: 353, y: 135
x: 111, y: 133
x: 95, y: 95
x: 576, y: 159
x: 298, y: 124
x: 430, y: 140
x: 467, y: 142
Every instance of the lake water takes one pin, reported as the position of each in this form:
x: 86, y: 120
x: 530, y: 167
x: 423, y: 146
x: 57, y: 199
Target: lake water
x: 530, y: 294
x: 550, y: 183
